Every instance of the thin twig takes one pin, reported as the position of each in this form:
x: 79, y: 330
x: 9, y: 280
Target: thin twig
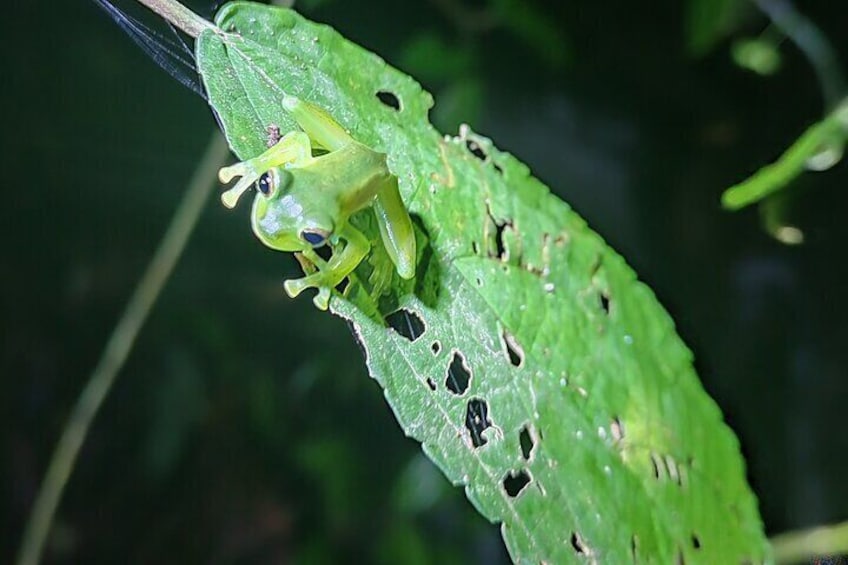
x: 117, y: 349
x: 812, y: 42
x: 804, y: 545
x: 795, y: 160
x: 179, y: 15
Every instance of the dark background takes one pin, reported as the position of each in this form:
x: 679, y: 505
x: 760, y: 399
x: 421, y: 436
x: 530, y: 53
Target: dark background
x: 244, y: 428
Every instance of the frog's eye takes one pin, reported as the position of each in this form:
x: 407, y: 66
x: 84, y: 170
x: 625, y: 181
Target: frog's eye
x: 266, y: 183
x: 314, y: 237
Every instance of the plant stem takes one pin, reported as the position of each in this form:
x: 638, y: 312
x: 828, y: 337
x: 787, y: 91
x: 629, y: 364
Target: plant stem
x: 812, y: 42
x: 179, y: 15
x: 827, y: 135
x: 805, y: 545
x: 117, y: 349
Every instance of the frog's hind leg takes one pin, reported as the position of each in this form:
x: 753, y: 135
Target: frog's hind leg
x: 321, y: 128
x: 294, y: 148
x: 396, y: 227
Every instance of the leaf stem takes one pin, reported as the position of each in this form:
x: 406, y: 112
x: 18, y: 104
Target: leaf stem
x: 805, y: 545
x: 828, y: 134
x: 179, y: 15
x: 117, y: 350
x: 812, y: 42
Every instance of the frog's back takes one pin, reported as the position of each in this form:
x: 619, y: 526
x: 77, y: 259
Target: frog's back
x: 349, y: 177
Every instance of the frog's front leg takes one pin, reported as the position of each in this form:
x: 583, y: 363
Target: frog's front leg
x: 294, y: 148
x: 331, y: 273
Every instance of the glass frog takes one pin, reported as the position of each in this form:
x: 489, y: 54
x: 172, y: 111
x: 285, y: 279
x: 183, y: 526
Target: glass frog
x: 304, y: 202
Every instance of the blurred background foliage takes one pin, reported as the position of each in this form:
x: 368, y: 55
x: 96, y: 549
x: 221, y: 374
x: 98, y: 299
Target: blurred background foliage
x: 244, y: 428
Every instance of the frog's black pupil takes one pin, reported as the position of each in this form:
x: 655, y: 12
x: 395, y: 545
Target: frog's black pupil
x: 313, y: 238
x: 264, y: 184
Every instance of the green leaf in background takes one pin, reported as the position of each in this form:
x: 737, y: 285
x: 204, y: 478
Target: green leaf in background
x: 531, y: 24
x: 760, y: 55
x: 533, y: 367
x: 454, y: 66
x: 709, y: 21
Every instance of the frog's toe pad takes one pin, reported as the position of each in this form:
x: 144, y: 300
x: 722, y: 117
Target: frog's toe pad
x: 322, y: 299
x: 293, y: 287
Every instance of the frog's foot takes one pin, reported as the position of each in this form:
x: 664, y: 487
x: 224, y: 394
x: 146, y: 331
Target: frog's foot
x: 322, y: 299
x: 248, y: 175
x: 332, y: 272
x: 294, y: 287
x: 293, y: 149
x: 381, y: 273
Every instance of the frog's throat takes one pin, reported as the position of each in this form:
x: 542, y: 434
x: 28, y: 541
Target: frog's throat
x: 248, y: 176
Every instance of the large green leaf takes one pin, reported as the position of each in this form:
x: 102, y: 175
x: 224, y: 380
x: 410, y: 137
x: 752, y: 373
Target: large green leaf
x: 709, y: 21
x: 533, y: 367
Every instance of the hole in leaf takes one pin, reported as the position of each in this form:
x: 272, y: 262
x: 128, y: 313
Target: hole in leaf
x: 343, y: 284
x: 514, y: 351
x: 435, y: 347
x: 696, y: 542
x: 475, y: 149
x: 605, y: 302
x: 525, y: 439
x: 498, y: 168
x: 477, y: 420
x: 634, y: 545
x: 578, y: 544
x: 475, y: 248
x: 406, y: 323
x: 655, y: 465
x: 324, y: 252
x: 458, y: 376
x: 500, y: 248
x: 514, y: 482
x: 431, y: 384
x: 616, y: 429
x: 389, y: 99
x: 671, y: 467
